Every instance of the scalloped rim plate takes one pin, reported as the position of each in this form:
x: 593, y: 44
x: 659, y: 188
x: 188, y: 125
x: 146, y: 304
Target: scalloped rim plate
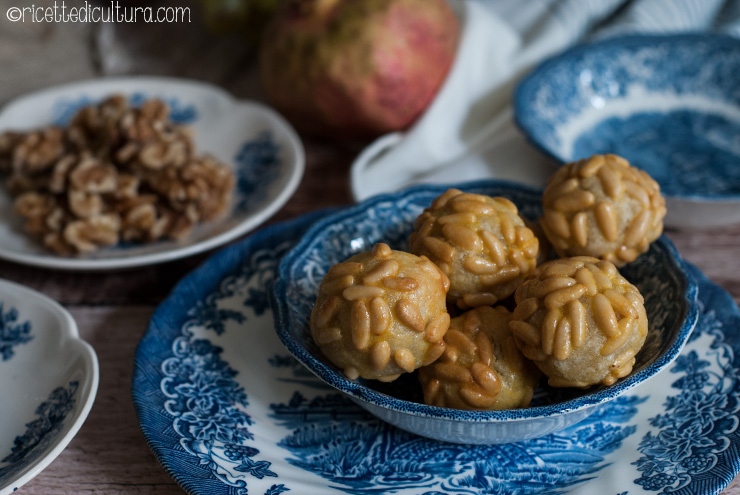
x: 48, y: 381
x: 264, y: 150
x: 225, y: 408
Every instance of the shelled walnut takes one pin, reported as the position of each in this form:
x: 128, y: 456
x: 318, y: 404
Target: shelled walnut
x: 115, y: 173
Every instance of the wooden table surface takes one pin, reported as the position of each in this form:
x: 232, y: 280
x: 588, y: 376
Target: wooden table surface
x: 109, y: 454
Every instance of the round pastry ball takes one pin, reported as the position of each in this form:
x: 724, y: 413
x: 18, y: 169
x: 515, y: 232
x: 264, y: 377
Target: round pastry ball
x: 482, y: 367
x: 381, y: 313
x: 480, y: 242
x: 580, y: 321
x: 602, y: 207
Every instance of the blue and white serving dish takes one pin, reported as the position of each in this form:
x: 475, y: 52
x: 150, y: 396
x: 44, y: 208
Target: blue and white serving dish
x: 263, y: 149
x: 227, y: 410
x: 48, y: 382
x: 660, y: 274
x: 670, y: 104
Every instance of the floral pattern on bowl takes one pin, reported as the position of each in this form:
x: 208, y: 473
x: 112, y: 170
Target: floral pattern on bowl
x: 670, y: 104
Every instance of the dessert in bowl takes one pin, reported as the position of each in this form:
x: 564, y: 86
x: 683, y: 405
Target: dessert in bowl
x: 660, y: 275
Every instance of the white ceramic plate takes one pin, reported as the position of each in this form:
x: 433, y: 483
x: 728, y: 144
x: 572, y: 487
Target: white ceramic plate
x: 264, y: 150
x: 48, y: 382
x: 226, y: 409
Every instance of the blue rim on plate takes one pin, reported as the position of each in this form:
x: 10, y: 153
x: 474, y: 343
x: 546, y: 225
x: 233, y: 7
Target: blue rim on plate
x: 210, y: 371
x: 668, y: 103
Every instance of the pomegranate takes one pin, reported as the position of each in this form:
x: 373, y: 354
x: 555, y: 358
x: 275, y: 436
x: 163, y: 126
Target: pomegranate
x: 355, y: 69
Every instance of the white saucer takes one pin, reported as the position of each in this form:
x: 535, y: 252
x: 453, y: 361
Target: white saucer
x: 48, y: 382
x: 263, y: 149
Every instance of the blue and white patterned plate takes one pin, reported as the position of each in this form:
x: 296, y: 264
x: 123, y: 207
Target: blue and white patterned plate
x: 48, y: 383
x: 668, y: 103
x: 227, y: 410
x: 262, y: 148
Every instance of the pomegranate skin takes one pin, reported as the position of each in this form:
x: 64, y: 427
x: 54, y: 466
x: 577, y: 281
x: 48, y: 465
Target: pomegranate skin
x: 356, y: 69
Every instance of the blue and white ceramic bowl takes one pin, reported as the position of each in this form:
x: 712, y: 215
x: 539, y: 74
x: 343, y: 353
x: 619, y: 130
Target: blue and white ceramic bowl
x: 660, y: 274
x: 670, y: 104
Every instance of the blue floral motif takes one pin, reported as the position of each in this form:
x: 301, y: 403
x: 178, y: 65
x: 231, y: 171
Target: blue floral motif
x: 64, y: 109
x: 43, y: 430
x: 258, y: 163
x: 12, y: 332
x: 207, y: 404
x: 699, y: 425
x: 338, y: 440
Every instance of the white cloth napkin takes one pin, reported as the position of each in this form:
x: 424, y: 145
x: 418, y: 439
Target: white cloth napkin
x: 468, y: 131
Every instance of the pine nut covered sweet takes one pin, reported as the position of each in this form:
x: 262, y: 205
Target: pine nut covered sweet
x: 602, y: 207
x: 580, y: 321
x: 482, y: 367
x: 381, y: 313
x: 480, y: 242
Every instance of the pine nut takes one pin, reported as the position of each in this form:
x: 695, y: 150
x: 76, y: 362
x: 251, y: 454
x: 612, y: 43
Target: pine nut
x: 576, y: 314
x: 381, y: 250
x: 604, y: 316
x: 584, y: 277
x: 558, y: 298
x: 462, y: 237
x: 549, y: 327
x: 479, y: 266
x: 590, y: 167
x: 326, y: 311
x: 328, y: 335
x: 526, y: 332
x: 344, y: 269
x: 475, y: 396
x: 362, y: 292
x: 637, y: 228
x: 487, y: 378
x: 526, y: 308
x: 611, y: 182
x: 496, y: 248
x: 561, y: 342
x: 439, y: 249
x: 474, y: 207
x: 380, y: 315
x: 441, y: 200
x: 452, y: 371
x: 408, y: 313
x: 606, y: 219
x: 386, y: 268
x: 558, y: 222
x: 579, y: 228
x: 575, y: 201
x: 360, y: 324
x: 403, y: 284
x: 456, y: 338
x: 338, y: 285
x: 459, y: 218
x: 437, y: 328
x: 380, y: 355
x: 551, y: 284
x: 485, y: 349
x: 404, y: 358
x: 434, y: 353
